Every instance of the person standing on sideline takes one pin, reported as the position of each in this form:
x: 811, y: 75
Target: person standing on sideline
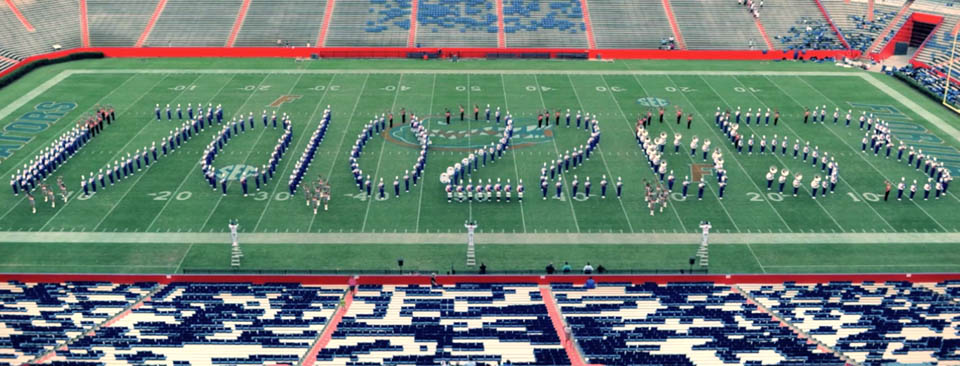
x: 886, y: 190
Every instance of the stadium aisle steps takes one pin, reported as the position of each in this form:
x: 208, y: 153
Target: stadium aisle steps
x: 153, y: 21
x: 557, y: 319
x: 890, y: 27
x: 23, y: 19
x: 501, y: 35
x: 311, y: 357
x: 412, y: 38
x: 678, y: 37
x: 84, y: 26
x: 586, y: 20
x: 786, y: 323
x: 327, y: 14
x: 241, y: 15
x: 763, y: 32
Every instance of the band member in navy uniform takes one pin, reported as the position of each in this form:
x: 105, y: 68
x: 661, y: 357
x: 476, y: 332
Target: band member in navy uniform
x: 157, y: 111
x: 380, y: 189
x: 520, y: 190
x: 700, y: 189
x: 619, y: 187
x: 684, y: 185
x: 396, y: 187
x: 223, y: 186
x: 243, y: 184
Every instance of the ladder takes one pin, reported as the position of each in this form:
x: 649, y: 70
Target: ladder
x: 235, y: 255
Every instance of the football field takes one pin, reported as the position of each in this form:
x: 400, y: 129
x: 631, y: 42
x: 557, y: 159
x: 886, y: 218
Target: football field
x: 169, y: 205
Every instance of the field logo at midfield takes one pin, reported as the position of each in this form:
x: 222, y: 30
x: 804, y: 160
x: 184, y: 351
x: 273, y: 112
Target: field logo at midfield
x: 235, y: 172
x: 23, y: 129
x: 652, y: 102
x: 284, y: 99
x: 460, y: 138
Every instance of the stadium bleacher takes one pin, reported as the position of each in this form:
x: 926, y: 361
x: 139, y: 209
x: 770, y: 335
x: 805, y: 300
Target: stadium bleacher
x: 8, y: 59
x: 36, y: 317
x: 716, y: 25
x: 638, y: 24
x: 118, y: 23
x: 850, y: 17
x: 678, y: 324
x: 798, y: 25
x: 872, y: 323
x: 295, y: 21
x: 535, y: 23
x: 188, y: 23
x: 428, y: 325
x: 55, y: 22
x: 213, y: 323
x: 370, y: 23
x: 457, y: 23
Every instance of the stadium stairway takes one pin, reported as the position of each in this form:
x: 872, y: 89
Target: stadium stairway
x: 325, y: 25
x: 615, y: 24
x: 677, y: 35
x: 35, y: 27
x: 793, y: 327
x: 569, y: 345
x: 585, y: 8
x: 241, y: 15
x: 151, y: 23
x: 850, y: 19
x: 16, y: 12
x: 84, y: 25
x: 188, y: 23
x: 324, y: 338
x: 298, y: 22
x: 716, y: 24
x: 763, y: 33
x: 884, y: 36
x: 118, y: 23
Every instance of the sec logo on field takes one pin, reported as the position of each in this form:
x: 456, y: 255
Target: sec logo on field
x: 652, y: 102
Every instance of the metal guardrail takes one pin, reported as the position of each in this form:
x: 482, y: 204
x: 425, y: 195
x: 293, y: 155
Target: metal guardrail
x: 663, y: 271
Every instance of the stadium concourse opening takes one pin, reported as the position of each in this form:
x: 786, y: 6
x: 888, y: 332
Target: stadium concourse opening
x: 479, y: 182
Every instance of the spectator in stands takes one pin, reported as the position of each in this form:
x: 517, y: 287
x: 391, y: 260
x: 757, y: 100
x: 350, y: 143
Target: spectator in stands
x: 352, y: 282
x: 433, y: 280
x: 550, y: 268
x: 566, y: 268
x: 601, y: 269
x: 587, y: 269
x: 590, y: 284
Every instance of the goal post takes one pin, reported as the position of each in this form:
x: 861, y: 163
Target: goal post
x: 952, y: 65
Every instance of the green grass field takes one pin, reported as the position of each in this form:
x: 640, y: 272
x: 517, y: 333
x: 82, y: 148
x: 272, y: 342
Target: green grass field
x: 173, y: 197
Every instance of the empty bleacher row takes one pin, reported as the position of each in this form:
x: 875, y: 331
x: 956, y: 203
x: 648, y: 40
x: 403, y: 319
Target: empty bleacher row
x: 872, y: 323
x: 716, y: 25
x: 297, y: 22
x: 629, y: 24
x: 490, y: 323
x: 118, y: 23
x: 678, y: 324
x: 8, y: 59
x: 457, y: 23
x: 55, y: 23
x: 191, y: 23
x: 798, y: 25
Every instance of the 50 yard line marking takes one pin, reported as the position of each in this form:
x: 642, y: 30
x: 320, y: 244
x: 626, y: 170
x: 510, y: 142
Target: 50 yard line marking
x: 557, y: 149
x: 119, y: 152
x: 190, y: 173
x: 383, y: 147
x: 516, y: 170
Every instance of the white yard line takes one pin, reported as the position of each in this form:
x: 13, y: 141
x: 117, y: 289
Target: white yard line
x: 259, y: 137
x: 333, y: 163
x: 423, y: 180
x: 189, y: 174
x: 775, y: 156
x: 286, y: 164
x: 860, y: 155
x: 764, y: 270
x: 516, y: 169
x: 383, y: 147
x: 120, y: 151
x: 566, y: 186
x: 710, y: 187
x: 185, y: 254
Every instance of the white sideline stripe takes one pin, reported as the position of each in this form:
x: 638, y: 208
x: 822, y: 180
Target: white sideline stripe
x: 35, y: 92
x: 482, y: 238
